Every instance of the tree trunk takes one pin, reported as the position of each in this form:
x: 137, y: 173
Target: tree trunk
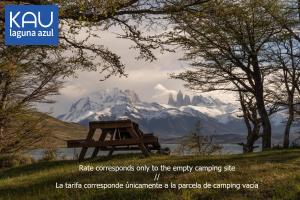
x: 286, y: 139
x: 1, y: 132
x: 266, y: 126
x: 2, y: 128
x: 299, y: 9
x: 253, y: 136
x: 249, y: 146
x: 253, y: 131
x: 265, y: 121
x: 261, y: 107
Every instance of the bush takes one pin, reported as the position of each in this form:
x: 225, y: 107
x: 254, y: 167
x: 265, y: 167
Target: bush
x: 14, y: 160
x: 195, y: 143
x: 49, y: 154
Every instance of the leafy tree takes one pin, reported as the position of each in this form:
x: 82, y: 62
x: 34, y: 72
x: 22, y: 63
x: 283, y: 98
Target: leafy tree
x: 285, y: 55
x: 29, y: 76
x: 227, y: 44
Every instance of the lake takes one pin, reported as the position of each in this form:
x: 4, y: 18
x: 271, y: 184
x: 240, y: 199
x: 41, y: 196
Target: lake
x: 72, y: 153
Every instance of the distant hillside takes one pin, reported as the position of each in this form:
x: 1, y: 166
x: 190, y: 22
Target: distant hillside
x: 61, y: 131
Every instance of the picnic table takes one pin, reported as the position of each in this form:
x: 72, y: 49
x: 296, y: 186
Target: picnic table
x: 118, y: 135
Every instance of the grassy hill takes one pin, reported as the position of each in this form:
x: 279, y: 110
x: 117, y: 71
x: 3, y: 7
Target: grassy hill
x: 276, y: 172
x: 61, y: 131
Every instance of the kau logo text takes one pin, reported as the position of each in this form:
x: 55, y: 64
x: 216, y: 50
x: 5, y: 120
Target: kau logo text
x: 31, y: 25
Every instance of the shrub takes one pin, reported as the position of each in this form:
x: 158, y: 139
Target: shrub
x: 13, y: 160
x: 49, y: 154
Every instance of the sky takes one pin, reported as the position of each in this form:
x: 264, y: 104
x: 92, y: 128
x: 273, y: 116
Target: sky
x: 150, y: 80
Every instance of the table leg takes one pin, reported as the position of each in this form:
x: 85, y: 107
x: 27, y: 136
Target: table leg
x: 84, y: 149
x: 101, y: 139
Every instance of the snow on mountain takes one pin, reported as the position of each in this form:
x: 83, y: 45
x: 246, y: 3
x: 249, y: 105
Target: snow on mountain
x: 176, y: 118
x: 216, y: 116
x: 118, y: 103
x: 101, y: 103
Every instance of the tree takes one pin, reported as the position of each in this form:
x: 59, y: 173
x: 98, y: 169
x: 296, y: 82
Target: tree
x: 197, y: 143
x: 226, y: 44
x: 29, y: 76
x: 285, y: 55
x: 289, y: 18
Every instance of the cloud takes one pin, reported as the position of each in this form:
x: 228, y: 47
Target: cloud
x: 72, y: 91
x: 162, y: 93
x: 150, y: 80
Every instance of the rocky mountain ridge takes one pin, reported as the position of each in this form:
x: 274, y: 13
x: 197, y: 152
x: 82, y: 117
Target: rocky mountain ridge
x: 177, y: 118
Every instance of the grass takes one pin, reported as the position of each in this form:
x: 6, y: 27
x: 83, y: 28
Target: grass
x: 61, y: 131
x: 276, y: 172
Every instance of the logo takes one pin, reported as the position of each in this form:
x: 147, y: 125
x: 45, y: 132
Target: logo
x: 31, y: 25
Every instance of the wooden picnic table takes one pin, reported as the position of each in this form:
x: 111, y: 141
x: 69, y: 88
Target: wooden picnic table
x: 118, y: 135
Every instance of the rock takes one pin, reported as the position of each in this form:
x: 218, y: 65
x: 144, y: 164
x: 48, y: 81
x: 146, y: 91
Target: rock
x: 171, y: 100
x: 180, y: 101
x: 187, y: 100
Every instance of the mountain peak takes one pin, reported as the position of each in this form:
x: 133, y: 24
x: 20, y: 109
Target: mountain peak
x: 104, y: 98
x: 180, y: 99
x: 171, y: 100
x: 187, y: 100
x: 115, y: 95
x: 198, y: 100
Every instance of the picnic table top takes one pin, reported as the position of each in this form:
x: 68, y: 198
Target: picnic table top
x: 127, y: 123
x: 113, y: 122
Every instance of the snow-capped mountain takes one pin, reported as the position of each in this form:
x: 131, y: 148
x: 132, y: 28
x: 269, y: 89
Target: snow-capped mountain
x: 162, y: 119
x: 104, y: 102
x: 176, y: 118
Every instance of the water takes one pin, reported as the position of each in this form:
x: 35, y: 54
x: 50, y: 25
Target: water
x: 72, y: 153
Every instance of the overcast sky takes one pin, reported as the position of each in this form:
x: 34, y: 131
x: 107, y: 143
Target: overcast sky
x: 150, y: 80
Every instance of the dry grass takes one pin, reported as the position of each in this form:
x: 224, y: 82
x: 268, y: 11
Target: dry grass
x: 61, y: 131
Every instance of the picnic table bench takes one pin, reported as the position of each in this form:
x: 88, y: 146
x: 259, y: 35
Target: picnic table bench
x: 119, y: 135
